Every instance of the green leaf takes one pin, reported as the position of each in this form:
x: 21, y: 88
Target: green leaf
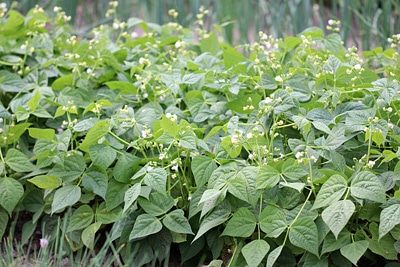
x: 188, y: 140
x: 210, y: 44
x: 45, y: 181
x: 366, y: 185
x: 93, y: 136
x: 65, y: 196
x: 11, y: 82
x: 255, y: 251
x: 18, y: 162
x: 107, y: 216
x: 158, y: 203
x: 242, y: 224
x: 88, y: 235
x: 354, y: 251
x: 390, y: 217
x: 125, y: 167
x: 177, y: 222
x: 33, y: 103
x: 47, y: 134
x: 102, y: 155
x: 156, y: 179
x: 218, y: 216
x: 192, y: 78
x: 267, y: 177
x: 383, y: 246
x: 273, y: 221
x: 145, y: 225
x: 331, y: 191
x: 273, y: 256
x: 333, y: 42
x: 231, y: 56
x: 304, y: 234
x: 337, y: 215
x: 131, y: 195
x: 292, y: 170
x: 126, y: 88
x: 202, y: 168
x: 73, y: 167
x: 115, y: 193
x: 63, y: 82
x: 243, y: 185
x: 331, y: 243
x: 11, y: 191
x: 81, y: 218
x: 95, y: 180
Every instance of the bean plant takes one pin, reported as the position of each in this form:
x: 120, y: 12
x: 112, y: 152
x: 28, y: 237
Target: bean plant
x: 170, y: 141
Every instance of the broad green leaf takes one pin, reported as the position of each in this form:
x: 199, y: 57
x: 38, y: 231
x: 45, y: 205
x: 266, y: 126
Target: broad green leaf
x: 242, y: 224
x: 390, y: 217
x: 81, y: 218
x: 158, y: 203
x: 102, y: 155
x: 131, y: 195
x: 218, y: 216
x: 177, y: 222
x: 366, y: 185
x: 11, y: 191
x: 145, y: 225
x: 45, y: 181
x: 156, y: 179
x: 337, y: 215
x: 273, y: 256
x: 47, y: 134
x: 354, y: 251
x: 333, y: 42
x: 115, y: 194
x: 126, y: 88
x: 107, y: 216
x: 65, y: 196
x: 331, y: 191
x: 34, y: 101
x: 383, y: 246
x: 18, y: 162
x: 11, y: 82
x: 202, y: 168
x: 273, y: 221
x: 267, y: 177
x: 243, y: 186
x: 72, y: 168
x: 63, y: 82
x: 85, y: 125
x: 303, y: 233
x: 98, y: 131
x: 95, y: 180
x: 188, y: 140
x: 192, y: 78
x: 331, y: 243
x: 88, y: 235
x: 210, y: 44
x: 231, y: 56
x: 293, y: 171
x: 28, y: 229
x: 125, y: 167
x: 255, y: 251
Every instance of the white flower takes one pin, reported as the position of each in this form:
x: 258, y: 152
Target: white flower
x: 174, y: 167
x: 267, y: 100
x: 149, y: 168
x: 249, y: 135
x: 371, y: 164
x: 278, y: 79
x: 331, y: 22
x: 357, y: 67
x: 299, y: 154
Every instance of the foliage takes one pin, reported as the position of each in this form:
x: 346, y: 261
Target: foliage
x: 172, y: 139
x: 365, y: 23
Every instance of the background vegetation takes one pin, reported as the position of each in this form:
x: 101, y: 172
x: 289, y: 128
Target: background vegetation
x: 365, y: 23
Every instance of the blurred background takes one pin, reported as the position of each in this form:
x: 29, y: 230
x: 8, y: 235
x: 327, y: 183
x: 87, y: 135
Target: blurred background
x: 364, y: 23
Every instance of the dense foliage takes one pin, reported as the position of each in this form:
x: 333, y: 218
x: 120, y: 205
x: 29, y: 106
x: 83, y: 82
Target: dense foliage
x: 173, y: 138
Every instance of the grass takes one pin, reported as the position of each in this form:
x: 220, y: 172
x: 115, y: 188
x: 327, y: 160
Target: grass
x: 52, y: 249
x: 366, y: 23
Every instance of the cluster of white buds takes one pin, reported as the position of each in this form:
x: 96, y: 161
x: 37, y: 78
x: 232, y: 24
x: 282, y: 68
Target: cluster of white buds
x: 333, y: 25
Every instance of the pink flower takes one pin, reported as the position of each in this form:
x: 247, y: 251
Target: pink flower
x: 44, y: 242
